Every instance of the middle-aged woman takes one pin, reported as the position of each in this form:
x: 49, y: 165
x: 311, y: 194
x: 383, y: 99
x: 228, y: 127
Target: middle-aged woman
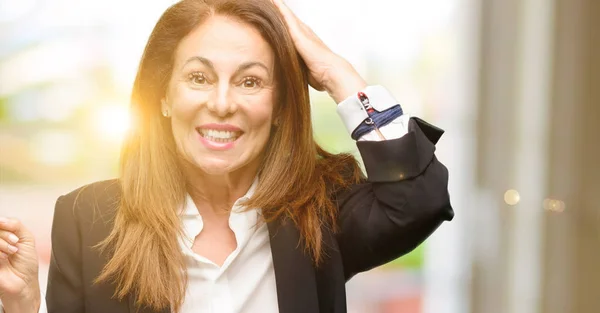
x: 225, y: 203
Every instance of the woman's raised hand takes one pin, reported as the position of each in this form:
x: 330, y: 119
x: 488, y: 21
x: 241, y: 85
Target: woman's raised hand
x: 328, y: 71
x: 19, y: 284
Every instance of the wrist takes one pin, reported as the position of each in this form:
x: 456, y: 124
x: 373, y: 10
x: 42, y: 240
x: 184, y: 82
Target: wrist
x: 28, y: 302
x: 344, y: 83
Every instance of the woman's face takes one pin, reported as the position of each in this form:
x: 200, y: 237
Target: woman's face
x: 221, y: 96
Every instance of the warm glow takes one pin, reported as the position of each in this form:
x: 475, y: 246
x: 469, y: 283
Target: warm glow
x: 112, y: 122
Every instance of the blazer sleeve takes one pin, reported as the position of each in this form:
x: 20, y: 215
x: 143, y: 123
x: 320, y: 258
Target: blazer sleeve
x: 64, y: 293
x: 403, y: 200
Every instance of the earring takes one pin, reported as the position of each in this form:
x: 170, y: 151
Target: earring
x: 165, y: 112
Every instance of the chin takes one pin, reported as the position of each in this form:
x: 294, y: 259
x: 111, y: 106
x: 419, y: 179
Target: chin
x: 215, y: 167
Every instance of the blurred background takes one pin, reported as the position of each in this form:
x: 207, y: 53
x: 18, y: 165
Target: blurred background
x: 515, y: 84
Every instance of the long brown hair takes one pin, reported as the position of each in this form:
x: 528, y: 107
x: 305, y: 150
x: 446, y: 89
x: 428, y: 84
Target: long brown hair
x: 297, y: 177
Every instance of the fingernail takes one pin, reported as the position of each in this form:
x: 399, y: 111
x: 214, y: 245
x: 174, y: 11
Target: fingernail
x: 3, y: 220
x: 12, y: 249
x: 13, y: 239
x: 3, y: 256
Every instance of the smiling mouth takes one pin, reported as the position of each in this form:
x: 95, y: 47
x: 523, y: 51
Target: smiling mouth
x: 222, y: 136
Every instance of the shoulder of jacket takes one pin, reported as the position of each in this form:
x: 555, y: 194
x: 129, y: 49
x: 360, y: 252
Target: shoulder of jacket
x: 97, y: 199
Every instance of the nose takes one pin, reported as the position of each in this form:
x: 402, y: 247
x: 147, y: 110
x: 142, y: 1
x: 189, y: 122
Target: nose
x: 221, y: 101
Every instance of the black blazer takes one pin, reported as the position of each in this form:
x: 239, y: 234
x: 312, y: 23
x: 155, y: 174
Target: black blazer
x: 404, y: 199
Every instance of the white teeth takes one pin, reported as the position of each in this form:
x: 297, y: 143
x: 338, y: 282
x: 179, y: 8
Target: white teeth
x: 219, y: 135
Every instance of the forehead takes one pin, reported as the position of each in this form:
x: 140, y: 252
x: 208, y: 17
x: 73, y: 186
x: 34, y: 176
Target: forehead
x: 224, y: 39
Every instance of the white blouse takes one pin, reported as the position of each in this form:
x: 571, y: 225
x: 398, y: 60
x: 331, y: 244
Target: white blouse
x: 246, y: 281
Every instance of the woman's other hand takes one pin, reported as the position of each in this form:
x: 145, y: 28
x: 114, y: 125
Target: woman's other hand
x: 328, y: 71
x: 19, y: 284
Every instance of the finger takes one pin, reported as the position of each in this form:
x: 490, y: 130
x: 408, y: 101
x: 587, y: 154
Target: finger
x: 9, y: 237
x: 291, y: 17
x: 7, y: 248
x: 292, y: 21
x: 3, y: 256
x: 12, y: 225
x: 302, y: 35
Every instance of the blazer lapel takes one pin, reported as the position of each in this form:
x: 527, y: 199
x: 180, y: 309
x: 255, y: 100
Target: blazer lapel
x: 294, y: 271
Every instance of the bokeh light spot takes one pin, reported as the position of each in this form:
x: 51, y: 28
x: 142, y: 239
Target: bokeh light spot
x: 512, y: 197
x: 554, y: 205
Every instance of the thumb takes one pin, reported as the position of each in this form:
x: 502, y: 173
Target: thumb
x: 315, y: 84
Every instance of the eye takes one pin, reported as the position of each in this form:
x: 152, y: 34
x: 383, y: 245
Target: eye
x: 197, y: 78
x: 250, y: 82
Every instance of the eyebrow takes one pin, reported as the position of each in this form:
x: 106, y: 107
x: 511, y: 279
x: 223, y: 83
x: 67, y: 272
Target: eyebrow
x: 242, y: 67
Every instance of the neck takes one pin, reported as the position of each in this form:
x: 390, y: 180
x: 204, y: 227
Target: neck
x: 214, y: 195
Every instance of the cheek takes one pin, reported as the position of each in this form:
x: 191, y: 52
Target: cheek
x: 185, y: 101
x: 260, y: 114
